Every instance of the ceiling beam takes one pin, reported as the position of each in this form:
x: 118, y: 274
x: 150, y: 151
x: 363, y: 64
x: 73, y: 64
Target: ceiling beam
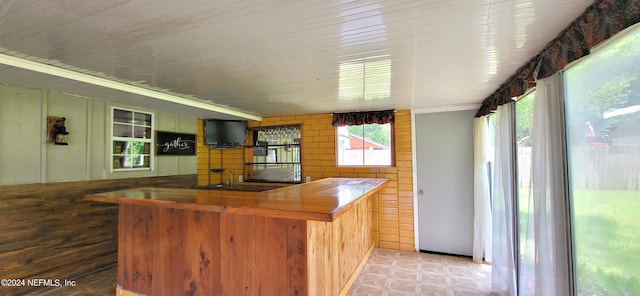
x: 121, y: 86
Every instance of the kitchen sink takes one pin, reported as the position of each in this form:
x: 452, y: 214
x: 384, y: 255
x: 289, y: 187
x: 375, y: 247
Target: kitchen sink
x: 250, y: 188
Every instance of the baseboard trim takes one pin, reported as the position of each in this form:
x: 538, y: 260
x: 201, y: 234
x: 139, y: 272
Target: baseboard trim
x: 122, y: 292
x: 445, y: 254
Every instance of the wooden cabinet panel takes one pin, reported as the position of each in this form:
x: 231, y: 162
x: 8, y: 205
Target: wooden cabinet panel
x: 165, y: 251
x: 245, y: 243
x: 201, y: 252
x: 338, y: 249
x: 238, y: 255
x: 135, y: 225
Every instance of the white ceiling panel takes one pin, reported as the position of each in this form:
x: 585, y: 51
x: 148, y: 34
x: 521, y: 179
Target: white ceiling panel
x: 282, y: 57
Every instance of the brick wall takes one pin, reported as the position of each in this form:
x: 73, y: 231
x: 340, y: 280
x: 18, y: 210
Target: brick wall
x: 394, y: 207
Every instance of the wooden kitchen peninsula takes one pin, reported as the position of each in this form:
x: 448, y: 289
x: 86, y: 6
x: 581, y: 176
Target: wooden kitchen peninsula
x: 307, y: 239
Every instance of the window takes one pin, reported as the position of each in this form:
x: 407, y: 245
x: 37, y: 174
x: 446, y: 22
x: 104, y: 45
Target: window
x: 365, y: 79
x: 364, y: 145
x: 524, y: 205
x: 132, y: 140
x: 364, y: 138
x: 603, y: 141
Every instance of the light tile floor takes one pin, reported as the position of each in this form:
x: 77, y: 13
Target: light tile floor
x: 390, y: 272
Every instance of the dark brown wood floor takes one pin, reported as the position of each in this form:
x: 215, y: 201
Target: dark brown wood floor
x: 97, y: 284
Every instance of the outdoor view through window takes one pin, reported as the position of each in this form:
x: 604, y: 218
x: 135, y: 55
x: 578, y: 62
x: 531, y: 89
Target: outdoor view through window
x: 364, y: 145
x: 526, y: 246
x: 602, y: 112
x: 603, y: 125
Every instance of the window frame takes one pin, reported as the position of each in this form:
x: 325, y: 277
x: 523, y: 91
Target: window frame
x: 392, y: 146
x: 578, y: 193
x: 146, y: 139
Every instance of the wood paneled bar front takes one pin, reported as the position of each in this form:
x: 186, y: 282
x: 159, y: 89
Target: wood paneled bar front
x: 306, y: 239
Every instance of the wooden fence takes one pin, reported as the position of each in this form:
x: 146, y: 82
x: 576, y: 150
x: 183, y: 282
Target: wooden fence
x: 593, y: 167
x: 371, y: 157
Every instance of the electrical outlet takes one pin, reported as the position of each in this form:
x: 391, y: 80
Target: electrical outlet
x: 239, y: 178
x: 308, y: 179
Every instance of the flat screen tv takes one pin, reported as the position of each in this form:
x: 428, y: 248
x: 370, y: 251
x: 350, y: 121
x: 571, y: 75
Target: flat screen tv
x: 224, y: 133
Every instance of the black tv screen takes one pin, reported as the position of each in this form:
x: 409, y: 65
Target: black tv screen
x: 224, y: 133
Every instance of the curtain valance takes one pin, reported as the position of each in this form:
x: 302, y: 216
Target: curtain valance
x: 366, y: 117
x: 599, y: 22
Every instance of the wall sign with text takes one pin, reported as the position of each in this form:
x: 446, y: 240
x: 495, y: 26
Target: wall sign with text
x: 168, y: 143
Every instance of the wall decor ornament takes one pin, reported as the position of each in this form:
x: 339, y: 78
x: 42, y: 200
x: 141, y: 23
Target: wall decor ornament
x: 171, y: 143
x: 56, y: 130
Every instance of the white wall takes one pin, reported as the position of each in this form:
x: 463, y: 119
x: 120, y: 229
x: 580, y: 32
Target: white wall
x: 20, y: 135
x: 173, y: 122
x: 65, y: 163
x: 26, y: 157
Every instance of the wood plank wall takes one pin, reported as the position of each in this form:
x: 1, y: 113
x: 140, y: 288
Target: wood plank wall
x: 393, y: 207
x: 48, y: 231
x: 336, y: 249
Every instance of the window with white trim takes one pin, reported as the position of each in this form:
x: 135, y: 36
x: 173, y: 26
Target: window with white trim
x: 132, y: 138
x: 364, y: 145
x: 364, y: 138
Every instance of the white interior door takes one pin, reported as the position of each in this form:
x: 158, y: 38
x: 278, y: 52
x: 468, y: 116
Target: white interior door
x: 444, y: 161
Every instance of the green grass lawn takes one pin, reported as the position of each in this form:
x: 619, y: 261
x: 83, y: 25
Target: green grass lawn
x: 607, y: 240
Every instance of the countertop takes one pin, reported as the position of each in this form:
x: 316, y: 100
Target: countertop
x: 320, y: 200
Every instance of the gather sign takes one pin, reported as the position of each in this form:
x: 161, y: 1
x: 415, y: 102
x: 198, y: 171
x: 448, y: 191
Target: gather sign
x: 170, y: 143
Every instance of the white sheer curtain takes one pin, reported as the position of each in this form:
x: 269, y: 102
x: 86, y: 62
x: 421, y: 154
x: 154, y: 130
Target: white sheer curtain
x: 481, y: 198
x: 504, y: 260
x: 549, y: 191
